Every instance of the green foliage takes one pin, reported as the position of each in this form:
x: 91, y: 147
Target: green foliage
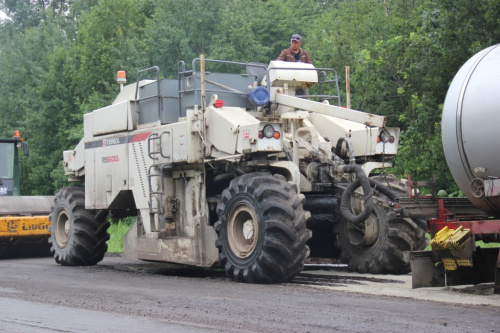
x: 109, y: 38
x: 116, y: 231
x: 482, y: 244
x: 58, y: 61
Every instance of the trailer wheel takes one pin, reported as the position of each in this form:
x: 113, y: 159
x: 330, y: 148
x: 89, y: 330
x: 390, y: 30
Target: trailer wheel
x: 377, y: 246
x: 262, y: 229
x: 78, y: 236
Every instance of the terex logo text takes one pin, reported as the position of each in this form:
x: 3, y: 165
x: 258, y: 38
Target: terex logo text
x: 110, y: 142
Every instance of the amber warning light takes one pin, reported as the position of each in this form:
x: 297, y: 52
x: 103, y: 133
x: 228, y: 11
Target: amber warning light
x: 17, y: 135
x: 121, y: 78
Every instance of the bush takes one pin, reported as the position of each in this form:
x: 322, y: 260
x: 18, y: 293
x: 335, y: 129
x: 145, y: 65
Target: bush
x: 116, y: 231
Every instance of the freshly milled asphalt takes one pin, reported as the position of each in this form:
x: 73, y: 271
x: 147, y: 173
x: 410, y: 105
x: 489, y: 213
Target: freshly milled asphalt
x: 118, y: 295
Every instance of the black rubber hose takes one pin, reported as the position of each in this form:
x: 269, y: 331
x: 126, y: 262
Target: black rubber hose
x: 421, y: 223
x: 345, y: 201
x: 383, y: 189
x: 362, y: 179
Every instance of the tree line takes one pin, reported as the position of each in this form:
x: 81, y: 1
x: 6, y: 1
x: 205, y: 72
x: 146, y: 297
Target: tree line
x: 59, y: 58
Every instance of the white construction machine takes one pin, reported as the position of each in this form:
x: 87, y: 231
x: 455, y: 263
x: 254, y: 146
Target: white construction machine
x: 236, y: 170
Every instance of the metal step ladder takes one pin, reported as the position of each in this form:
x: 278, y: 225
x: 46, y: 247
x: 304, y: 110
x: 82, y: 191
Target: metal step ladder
x: 156, y: 170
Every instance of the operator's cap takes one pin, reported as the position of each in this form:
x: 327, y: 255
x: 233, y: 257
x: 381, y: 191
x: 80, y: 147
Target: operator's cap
x: 297, y: 38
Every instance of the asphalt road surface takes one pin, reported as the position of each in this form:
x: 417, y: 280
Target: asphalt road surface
x: 119, y: 295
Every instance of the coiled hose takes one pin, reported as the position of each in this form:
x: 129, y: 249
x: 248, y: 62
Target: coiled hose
x: 368, y: 185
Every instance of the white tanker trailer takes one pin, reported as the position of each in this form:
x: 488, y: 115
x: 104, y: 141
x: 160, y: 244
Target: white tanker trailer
x: 471, y: 143
x: 470, y: 129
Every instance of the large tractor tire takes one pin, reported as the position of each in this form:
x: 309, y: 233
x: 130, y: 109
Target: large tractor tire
x: 262, y: 229
x: 78, y: 236
x: 377, y: 246
x: 420, y: 241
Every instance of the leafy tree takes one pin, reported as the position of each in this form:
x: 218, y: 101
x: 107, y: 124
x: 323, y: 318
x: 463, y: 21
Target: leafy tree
x: 58, y: 60
x: 36, y: 66
x: 180, y: 30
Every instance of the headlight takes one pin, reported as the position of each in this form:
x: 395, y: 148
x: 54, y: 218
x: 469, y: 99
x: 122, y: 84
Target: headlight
x: 268, y: 131
x: 385, y: 136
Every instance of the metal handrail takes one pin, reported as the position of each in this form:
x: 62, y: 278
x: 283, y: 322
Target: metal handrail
x: 322, y: 71
x: 158, y: 88
x: 323, y: 78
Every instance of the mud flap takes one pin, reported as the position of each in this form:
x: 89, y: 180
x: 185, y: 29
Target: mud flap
x: 424, y: 272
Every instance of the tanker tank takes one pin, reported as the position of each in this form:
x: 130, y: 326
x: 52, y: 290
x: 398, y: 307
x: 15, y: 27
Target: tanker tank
x: 471, y: 129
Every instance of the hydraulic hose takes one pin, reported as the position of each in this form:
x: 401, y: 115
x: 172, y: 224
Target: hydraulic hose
x: 376, y: 185
x: 368, y: 185
x: 350, y: 148
x: 345, y: 201
x: 421, y: 223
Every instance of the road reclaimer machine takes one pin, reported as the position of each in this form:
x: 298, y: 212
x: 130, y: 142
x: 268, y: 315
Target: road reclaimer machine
x: 24, y: 220
x: 252, y: 168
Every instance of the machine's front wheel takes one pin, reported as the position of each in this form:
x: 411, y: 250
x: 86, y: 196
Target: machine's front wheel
x: 78, y: 236
x: 262, y: 229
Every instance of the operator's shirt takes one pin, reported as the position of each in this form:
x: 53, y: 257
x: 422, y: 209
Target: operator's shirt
x: 288, y: 55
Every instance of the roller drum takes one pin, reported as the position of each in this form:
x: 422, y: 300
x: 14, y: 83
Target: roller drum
x: 25, y: 205
x: 471, y: 125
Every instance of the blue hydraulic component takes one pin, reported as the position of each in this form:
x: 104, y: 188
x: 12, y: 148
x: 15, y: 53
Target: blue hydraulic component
x: 259, y: 96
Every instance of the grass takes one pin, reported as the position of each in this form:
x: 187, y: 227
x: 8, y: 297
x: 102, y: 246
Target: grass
x: 116, y: 232
x: 483, y: 244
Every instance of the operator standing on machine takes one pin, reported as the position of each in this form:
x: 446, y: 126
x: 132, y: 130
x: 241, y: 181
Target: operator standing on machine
x: 294, y: 53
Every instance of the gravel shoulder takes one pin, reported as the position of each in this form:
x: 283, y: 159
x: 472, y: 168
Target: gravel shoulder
x: 401, y: 286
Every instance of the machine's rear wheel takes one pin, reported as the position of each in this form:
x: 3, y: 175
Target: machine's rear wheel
x: 377, y: 246
x: 396, y: 185
x: 262, y: 229
x: 78, y: 236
